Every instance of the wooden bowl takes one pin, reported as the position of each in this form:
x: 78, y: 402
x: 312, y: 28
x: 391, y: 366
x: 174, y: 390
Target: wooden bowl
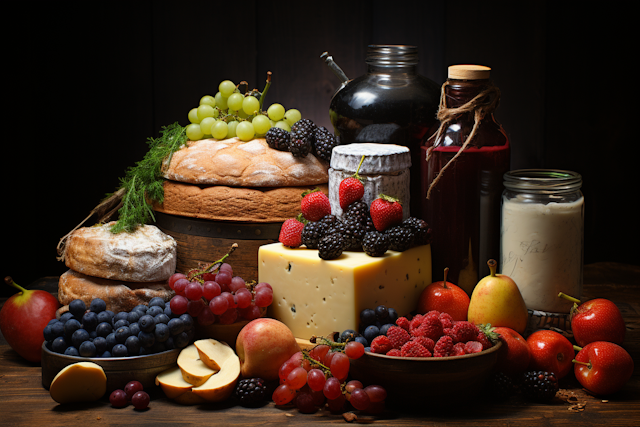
x: 427, y: 383
x: 224, y: 333
x: 119, y: 370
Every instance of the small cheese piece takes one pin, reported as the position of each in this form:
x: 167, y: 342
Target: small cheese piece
x: 317, y: 297
x: 384, y: 170
x: 79, y: 382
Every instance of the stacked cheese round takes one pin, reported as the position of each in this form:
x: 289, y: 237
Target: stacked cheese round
x: 124, y: 269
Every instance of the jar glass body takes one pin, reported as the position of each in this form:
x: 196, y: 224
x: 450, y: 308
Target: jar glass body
x: 463, y: 208
x: 542, y: 237
x: 390, y: 104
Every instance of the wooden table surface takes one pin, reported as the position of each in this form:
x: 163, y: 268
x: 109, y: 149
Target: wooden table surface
x: 24, y: 402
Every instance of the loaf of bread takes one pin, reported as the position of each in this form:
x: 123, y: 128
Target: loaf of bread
x: 119, y: 295
x: 234, y: 163
x: 145, y: 255
x: 244, y: 204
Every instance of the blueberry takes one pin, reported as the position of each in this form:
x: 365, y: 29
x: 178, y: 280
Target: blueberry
x: 134, y: 316
x: 66, y: 316
x: 382, y: 312
x: 141, y: 308
x: 169, y: 344
x: 363, y: 341
x: 87, y: 349
x: 48, y: 334
x: 90, y: 321
x: 157, y: 301
x: 371, y: 332
x: 106, y: 354
x: 120, y: 323
x: 133, y: 345
x: 70, y: 327
x: 101, y: 344
x: 119, y: 350
x: 367, y: 317
x: 105, y: 316
x: 119, y: 316
x: 348, y: 335
x: 161, y: 318
x: 111, y: 341
x: 59, y: 345
x: 77, y: 307
x: 93, y: 335
x: 367, y: 349
x: 147, y: 323
x: 71, y: 351
x: 385, y: 328
x: 157, y: 347
x: 134, y: 328
x: 97, y: 305
x: 146, y: 339
x: 57, y: 329
x: 153, y: 311
x: 104, y: 329
x: 181, y: 340
x: 187, y: 320
x: 393, y: 315
x: 162, y: 332
x: 168, y: 312
x: 78, y: 337
x: 176, y: 325
x: 122, y: 334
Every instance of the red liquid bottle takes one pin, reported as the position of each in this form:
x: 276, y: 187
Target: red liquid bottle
x: 462, y: 170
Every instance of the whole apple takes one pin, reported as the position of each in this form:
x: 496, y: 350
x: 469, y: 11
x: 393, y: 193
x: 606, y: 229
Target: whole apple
x: 444, y: 297
x: 514, y: 355
x: 263, y: 345
x: 23, y: 318
x: 603, y: 367
x: 551, y: 352
x: 596, y: 320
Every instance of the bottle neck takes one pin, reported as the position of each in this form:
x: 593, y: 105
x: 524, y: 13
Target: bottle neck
x: 459, y: 92
x: 392, y: 59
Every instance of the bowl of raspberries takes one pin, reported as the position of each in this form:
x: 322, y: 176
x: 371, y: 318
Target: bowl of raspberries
x: 432, y: 356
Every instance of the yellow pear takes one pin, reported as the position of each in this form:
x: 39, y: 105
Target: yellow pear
x: 496, y: 299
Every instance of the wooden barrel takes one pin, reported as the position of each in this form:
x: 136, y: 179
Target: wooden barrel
x: 204, y: 241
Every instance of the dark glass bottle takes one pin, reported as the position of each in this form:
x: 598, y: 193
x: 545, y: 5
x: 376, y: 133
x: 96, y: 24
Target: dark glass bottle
x: 463, y: 207
x: 390, y: 104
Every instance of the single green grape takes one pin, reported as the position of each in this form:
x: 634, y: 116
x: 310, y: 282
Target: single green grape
x: 250, y: 105
x: 261, y: 124
x: 245, y: 131
x: 194, y: 133
x: 205, y: 110
x: 226, y: 88
x: 209, y: 100
x: 242, y: 114
x: 275, y: 112
x: 206, y: 124
x: 231, y: 129
x: 282, y: 124
x: 221, y: 101
x: 235, y: 101
x: 219, y: 130
x: 193, y: 116
x: 292, y: 116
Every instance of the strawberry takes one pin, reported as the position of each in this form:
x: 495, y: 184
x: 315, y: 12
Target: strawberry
x: 291, y: 233
x: 385, y: 212
x: 351, y: 189
x: 315, y: 205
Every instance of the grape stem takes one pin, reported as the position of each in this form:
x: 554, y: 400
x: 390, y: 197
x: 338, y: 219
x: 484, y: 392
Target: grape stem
x: 266, y: 89
x: 212, y: 267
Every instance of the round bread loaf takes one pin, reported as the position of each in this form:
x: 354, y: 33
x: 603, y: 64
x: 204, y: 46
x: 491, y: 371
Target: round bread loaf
x: 232, y: 162
x: 119, y: 295
x: 144, y: 255
x: 219, y: 203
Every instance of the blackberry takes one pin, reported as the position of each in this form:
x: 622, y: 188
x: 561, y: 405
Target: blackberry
x: 375, y: 243
x: 329, y: 220
x: 302, y: 137
x: 540, y: 385
x: 299, y: 147
x: 251, y: 391
x: 421, y: 230
x: 400, y: 238
x: 353, y: 233
x: 278, y: 139
x: 357, y: 211
x: 324, y: 143
x: 331, y: 246
x: 312, y: 233
x: 501, y: 385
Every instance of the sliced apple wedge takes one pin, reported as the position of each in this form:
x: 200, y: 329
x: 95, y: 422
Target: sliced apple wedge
x: 194, y: 370
x: 220, y: 386
x: 175, y: 387
x: 211, y: 351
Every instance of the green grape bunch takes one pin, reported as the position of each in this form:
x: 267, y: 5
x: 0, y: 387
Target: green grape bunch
x: 234, y: 112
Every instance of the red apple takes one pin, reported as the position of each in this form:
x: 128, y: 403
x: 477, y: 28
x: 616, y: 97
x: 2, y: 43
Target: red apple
x: 551, y: 352
x: 445, y: 297
x: 23, y: 318
x: 596, y: 320
x: 603, y: 367
x: 514, y: 355
x: 263, y: 345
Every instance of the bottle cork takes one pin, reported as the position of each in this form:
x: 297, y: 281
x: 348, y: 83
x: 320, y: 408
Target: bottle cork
x: 469, y: 72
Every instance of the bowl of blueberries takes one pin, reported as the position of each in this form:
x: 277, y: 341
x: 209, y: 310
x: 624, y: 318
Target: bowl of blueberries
x: 133, y: 345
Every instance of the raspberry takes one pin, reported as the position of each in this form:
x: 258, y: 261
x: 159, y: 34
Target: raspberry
x: 413, y: 349
x: 464, y: 331
x: 415, y: 322
x: 431, y: 327
x: 404, y: 323
x: 381, y: 344
x: 397, y: 336
x: 427, y: 343
x: 458, y: 349
x: 446, y: 320
x: 472, y: 347
x: 443, y: 346
x: 394, y: 352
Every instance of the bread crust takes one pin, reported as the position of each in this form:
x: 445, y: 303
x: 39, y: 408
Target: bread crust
x: 145, y: 255
x: 234, y: 163
x: 220, y: 203
x: 119, y: 295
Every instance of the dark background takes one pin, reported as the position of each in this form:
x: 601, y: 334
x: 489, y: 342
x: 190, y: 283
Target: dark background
x: 90, y: 82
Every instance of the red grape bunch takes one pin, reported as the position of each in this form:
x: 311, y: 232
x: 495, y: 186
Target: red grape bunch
x: 311, y: 378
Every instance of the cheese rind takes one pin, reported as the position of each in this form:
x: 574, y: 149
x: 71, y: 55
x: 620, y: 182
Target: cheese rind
x: 317, y: 297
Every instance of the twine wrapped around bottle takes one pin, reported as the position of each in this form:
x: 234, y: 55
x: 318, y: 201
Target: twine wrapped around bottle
x: 483, y: 104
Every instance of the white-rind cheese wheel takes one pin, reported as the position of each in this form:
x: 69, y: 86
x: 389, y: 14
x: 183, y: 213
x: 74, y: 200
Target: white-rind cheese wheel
x: 144, y: 255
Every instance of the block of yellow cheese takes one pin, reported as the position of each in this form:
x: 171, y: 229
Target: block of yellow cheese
x: 313, y: 296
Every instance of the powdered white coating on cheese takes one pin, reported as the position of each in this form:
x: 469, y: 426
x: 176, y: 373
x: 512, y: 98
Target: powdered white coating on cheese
x: 379, y: 158
x: 145, y: 255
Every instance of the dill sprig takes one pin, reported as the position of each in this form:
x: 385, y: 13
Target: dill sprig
x: 143, y: 182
